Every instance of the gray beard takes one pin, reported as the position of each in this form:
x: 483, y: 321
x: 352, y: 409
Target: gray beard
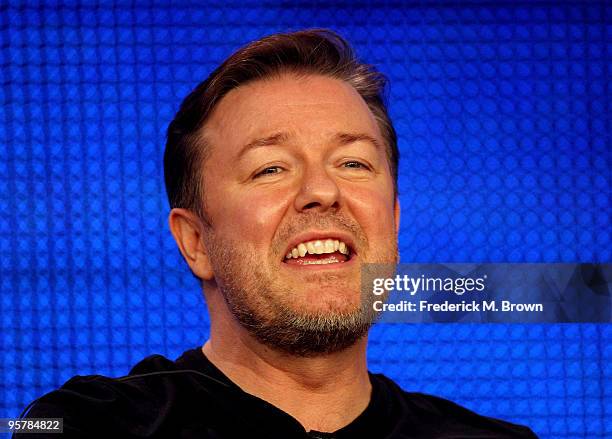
x: 263, y: 307
x: 300, y: 334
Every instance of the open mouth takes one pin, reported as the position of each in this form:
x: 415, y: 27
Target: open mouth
x: 319, y: 252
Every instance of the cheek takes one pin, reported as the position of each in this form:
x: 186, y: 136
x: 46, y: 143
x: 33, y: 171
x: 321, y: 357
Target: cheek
x: 252, y: 214
x: 375, y: 206
x: 374, y: 211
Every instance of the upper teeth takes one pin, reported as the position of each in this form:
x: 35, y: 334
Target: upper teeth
x: 318, y: 247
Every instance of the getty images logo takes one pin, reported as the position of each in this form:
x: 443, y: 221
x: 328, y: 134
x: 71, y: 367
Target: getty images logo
x: 414, y: 285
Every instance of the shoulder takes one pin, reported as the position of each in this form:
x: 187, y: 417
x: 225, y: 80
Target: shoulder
x: 139, y: 404
x: 437, y: 417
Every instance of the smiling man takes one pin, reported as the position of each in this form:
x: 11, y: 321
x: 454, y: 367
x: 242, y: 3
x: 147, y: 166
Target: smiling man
x: 281, y: 170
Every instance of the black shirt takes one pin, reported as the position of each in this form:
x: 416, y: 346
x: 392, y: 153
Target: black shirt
x: 191, y: 398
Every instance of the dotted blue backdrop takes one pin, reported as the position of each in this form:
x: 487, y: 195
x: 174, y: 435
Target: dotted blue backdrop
x: 503, y: 115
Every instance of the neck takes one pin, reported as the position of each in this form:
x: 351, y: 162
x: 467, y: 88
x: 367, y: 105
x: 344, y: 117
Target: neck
x: 324, y: 393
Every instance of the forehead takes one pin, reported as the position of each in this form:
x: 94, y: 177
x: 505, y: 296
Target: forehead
x: 307, y: 104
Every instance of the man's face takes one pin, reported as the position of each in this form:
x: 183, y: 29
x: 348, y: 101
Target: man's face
x: 297, y: 166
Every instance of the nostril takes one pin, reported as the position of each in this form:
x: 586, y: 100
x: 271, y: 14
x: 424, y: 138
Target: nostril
x: 316, y: 204
x: 311, y: 205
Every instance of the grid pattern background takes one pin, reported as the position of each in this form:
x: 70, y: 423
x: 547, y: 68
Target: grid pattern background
x: 503, y: 115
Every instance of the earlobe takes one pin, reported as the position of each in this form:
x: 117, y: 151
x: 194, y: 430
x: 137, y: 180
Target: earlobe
x: 187, y: 230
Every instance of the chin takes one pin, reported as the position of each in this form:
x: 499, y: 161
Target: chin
x: 330, y: 302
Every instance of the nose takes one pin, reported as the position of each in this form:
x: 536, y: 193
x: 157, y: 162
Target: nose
x: 318, y: 191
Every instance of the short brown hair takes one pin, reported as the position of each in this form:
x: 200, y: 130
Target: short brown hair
x: 314, y: 51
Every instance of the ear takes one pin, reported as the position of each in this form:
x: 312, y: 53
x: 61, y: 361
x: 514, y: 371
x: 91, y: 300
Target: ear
x: 396, y: 215
x: 188, y: 231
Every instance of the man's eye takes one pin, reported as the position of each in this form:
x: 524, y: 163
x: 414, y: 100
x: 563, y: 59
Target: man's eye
x: 269, y: 171
x: 354, y: 164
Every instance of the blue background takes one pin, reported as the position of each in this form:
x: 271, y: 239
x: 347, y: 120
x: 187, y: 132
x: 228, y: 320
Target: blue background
x: 503, y: 115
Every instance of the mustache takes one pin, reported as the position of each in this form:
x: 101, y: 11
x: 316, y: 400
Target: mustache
x: 315, y: 220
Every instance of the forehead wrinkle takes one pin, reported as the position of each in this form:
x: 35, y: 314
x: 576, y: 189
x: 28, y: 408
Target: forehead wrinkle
x: 273, y: 139
x: 283, y: 137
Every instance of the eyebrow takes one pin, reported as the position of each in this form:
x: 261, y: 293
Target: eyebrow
x: 283, y: 137
x: 274, y: 139
x: 346, y: 138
